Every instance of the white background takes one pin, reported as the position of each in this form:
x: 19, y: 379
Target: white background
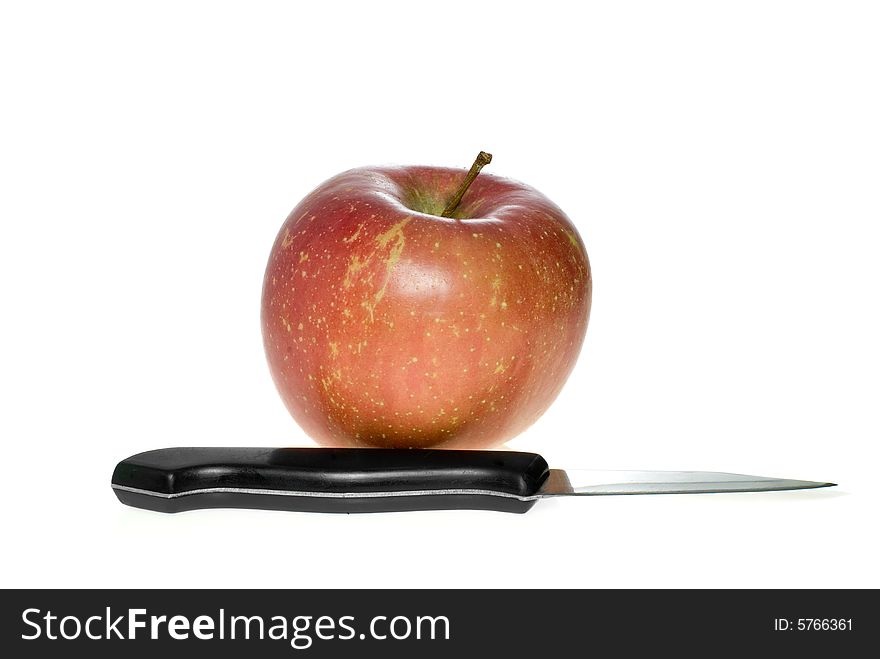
x: 721, y: 161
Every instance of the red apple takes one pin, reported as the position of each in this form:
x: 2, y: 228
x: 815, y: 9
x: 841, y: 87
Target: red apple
x: 387, y: 324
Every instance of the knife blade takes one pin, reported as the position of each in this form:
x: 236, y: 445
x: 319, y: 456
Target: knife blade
x: 385, y: 480
x: 599, y: 483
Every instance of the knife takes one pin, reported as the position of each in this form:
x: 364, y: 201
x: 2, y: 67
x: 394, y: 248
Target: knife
x: 385, y: 480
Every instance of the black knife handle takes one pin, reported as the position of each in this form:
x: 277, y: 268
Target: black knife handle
x: 330, y: 480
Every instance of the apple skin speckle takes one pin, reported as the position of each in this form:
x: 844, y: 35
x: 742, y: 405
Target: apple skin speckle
x: 408, y: 329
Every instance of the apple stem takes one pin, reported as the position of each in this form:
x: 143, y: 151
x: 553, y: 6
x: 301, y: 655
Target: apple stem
x: 482, y: 160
